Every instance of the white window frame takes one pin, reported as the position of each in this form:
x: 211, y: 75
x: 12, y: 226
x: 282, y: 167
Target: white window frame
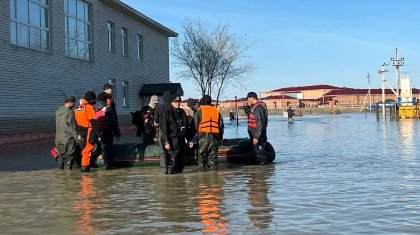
x: 125, y: 85
x: 75, y: 41
x: 18, y: 25
x: 140, y: 51
x: 111, y: 36
x: 124, y: 41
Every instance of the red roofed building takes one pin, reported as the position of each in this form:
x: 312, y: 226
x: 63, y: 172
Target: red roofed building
x: 304, y: 92
x: 350, y: 97
x: 281, y: 101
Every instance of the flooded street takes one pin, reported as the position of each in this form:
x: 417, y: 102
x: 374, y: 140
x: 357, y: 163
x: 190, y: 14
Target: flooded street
x: 343, y: 174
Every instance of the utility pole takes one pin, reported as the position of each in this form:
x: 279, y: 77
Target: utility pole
x: 382, y: 73
x: 236, y: 110
x: 370, y: 97
x: 397, y: 62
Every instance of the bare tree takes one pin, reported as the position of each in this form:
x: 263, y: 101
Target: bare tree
x: 212, y: 59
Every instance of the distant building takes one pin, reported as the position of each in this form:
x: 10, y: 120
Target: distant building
x: 50, y: 49
x: 319, y: 95
x: 350, y: 97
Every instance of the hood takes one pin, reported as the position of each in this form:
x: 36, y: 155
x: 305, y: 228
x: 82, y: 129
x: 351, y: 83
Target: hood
x: 99, y: 105
x: 83, y: 102
x: 167, y: 97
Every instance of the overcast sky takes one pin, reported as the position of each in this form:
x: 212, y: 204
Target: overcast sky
x: 305, y: 42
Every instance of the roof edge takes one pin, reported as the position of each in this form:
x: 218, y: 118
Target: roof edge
x: 126, y: 9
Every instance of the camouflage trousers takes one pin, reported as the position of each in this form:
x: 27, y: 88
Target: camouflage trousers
x: 207, y: 151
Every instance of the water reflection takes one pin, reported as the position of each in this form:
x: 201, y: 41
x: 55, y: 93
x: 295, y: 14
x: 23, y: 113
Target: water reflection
x: 209, y: 203
x: 325, y: 166
x: 261, y: 211
x: 84, y: 225
x: 406, y: 132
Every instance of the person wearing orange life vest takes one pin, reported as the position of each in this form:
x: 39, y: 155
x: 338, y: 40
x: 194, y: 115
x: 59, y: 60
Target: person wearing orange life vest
x: 210, y: 127
x: 88, y: 132
x: 257, y: 127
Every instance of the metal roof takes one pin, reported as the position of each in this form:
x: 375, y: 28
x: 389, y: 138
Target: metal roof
x: 124, y: 8
x: 305, y: 88
x: 159, y: 88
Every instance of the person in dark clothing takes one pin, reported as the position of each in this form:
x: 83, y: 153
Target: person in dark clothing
x: 148, y: 129
x: 174, y: 125
x: 290, y: 114
x: 257, y: 126
x: 65, y: 135
x: 193, y: 105
x: 158, y: 117
x: 192, y: 109
x: 210, y: 127
x: 108, y: 124
x: 232, y: 114
x: 108, y: 89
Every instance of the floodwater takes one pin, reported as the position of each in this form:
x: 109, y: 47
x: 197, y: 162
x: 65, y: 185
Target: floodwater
x: 342, y: 174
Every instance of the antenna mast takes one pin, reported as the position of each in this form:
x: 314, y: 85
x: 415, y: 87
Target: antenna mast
x: 397, y: 62
x: 382, y: 73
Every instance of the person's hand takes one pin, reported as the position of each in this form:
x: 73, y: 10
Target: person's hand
x: 190, y: 144
x: 168, y: 147
x: 146, y: 120
x: 99, y: 139
x: 255, y: 141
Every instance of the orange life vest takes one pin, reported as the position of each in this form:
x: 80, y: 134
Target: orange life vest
x: 209, y: 120
x: 84, y: 113
x: 252, y: 123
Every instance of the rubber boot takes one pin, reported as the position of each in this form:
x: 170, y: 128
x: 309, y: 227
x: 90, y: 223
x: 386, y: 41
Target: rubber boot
x: 170, y: 171
x: 85, y: 169
x: 69, y: 164
x: 214, y: 168
x: 60, y: 162
x: 201, y: 168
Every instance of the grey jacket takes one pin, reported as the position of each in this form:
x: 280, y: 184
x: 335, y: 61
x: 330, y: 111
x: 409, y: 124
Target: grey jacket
x: 65, y: 126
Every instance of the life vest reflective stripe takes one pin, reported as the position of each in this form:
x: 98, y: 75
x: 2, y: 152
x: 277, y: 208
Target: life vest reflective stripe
x: 209, y: 120
x: 84, y: 113
x: 252, y: 123
x: 102, y: 119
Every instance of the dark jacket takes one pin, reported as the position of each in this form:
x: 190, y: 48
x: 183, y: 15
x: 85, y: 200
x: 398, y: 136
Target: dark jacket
x: 174, y: 124
x: 65, y: 125
x: 148, y: 127
x: 261, y: 118
x: 161, y: 108
x: 111, y: 117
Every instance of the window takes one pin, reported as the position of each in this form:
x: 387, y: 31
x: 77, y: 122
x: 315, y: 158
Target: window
x: 124, y: 41
x: 139, y: 47
x: 113, y: 82
x: 125, y: 93
x: 29, y: 24
x: 77, y: 24
x: 111, y: 36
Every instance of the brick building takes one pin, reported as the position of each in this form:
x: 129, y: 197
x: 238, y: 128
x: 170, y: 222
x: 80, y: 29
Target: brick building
x: 50, y: 49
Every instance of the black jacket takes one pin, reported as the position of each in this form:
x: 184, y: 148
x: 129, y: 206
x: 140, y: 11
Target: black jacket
x: 174, y: 124
x: 161, y: 108
x: 111, y: 117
